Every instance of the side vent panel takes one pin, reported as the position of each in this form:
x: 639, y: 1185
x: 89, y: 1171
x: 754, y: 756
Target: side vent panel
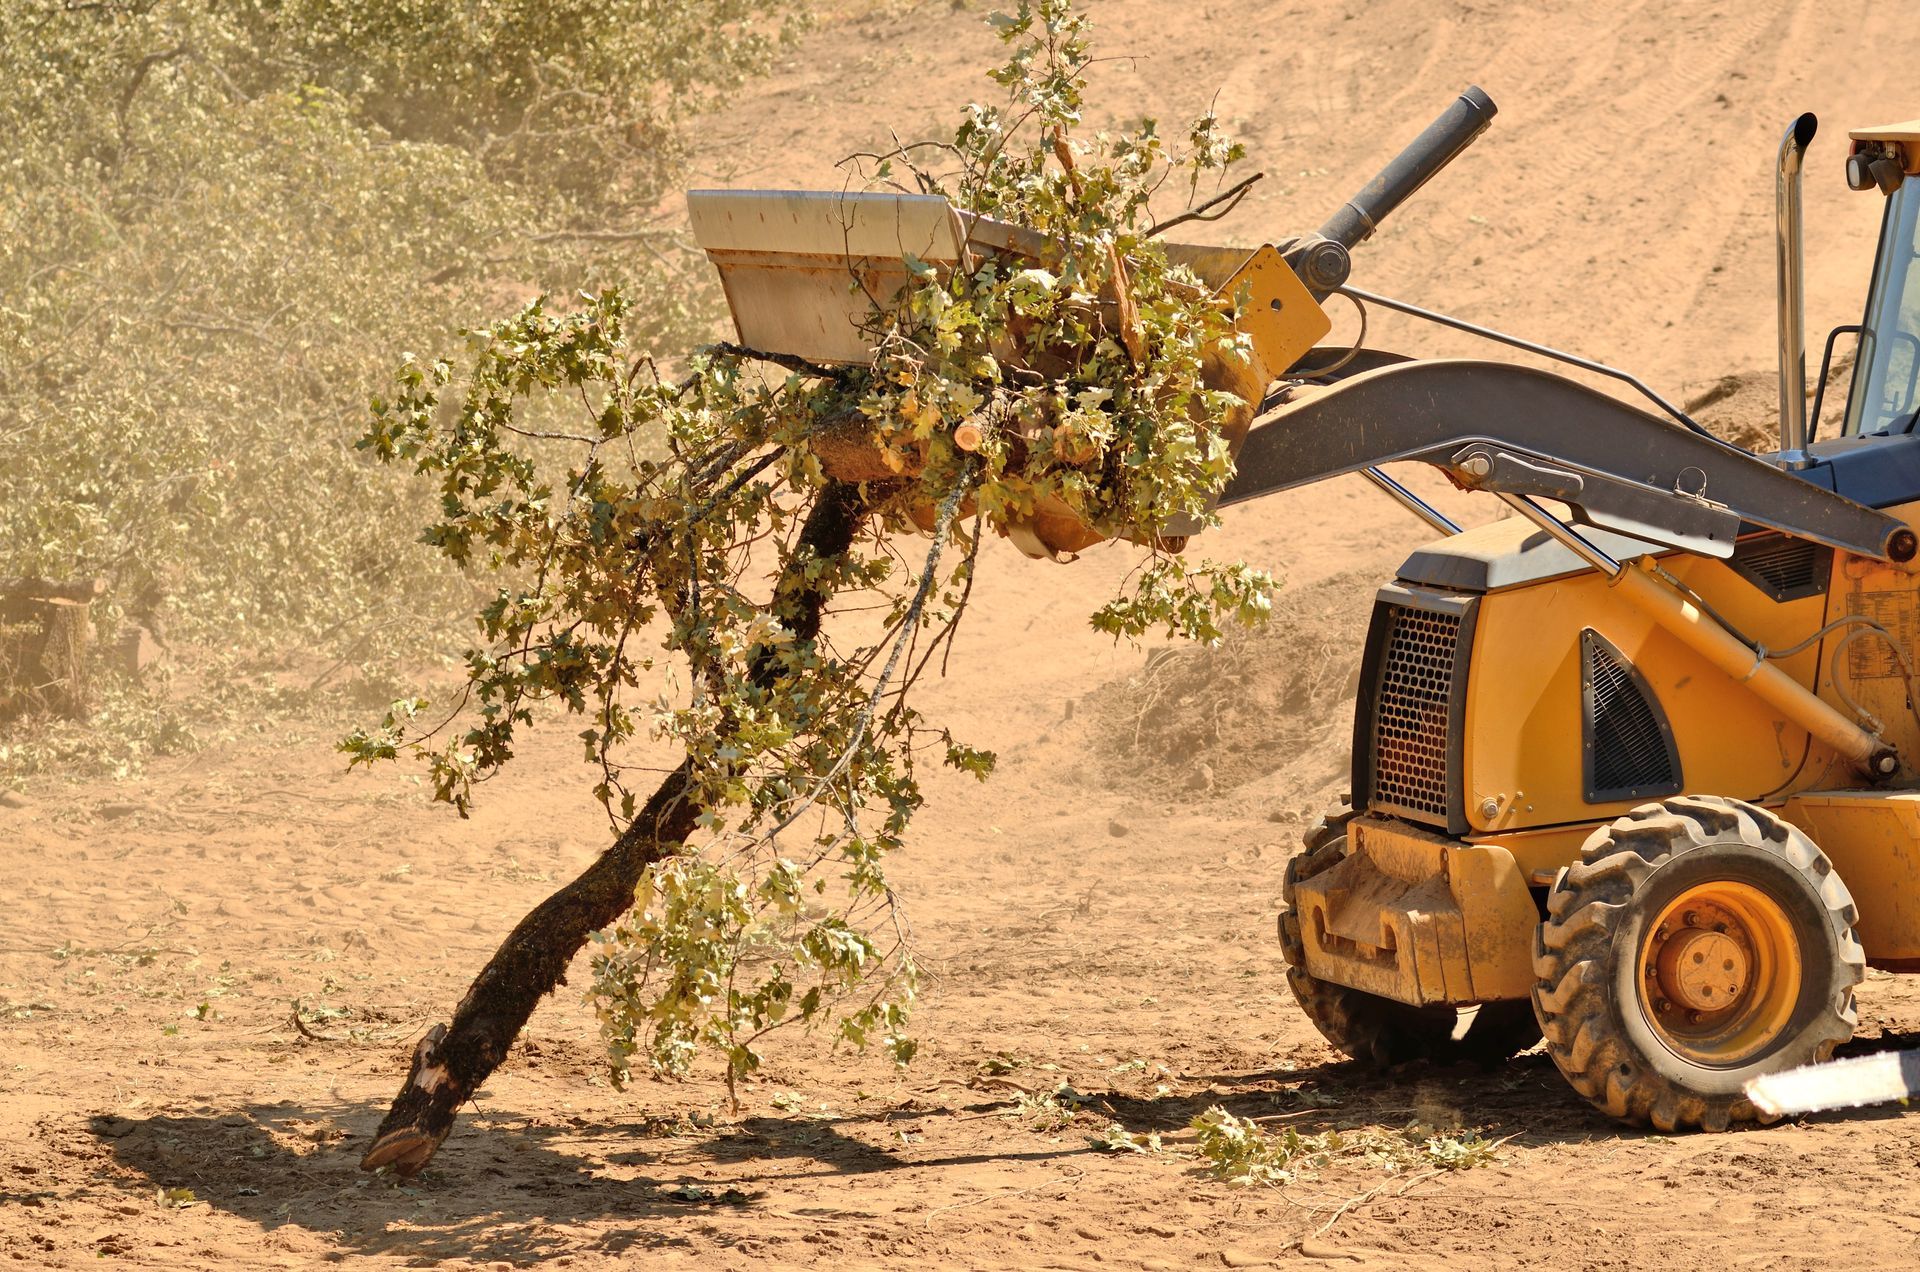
x: 1627, y: 749
x: 1785, y: 568
x: 1409, y: 723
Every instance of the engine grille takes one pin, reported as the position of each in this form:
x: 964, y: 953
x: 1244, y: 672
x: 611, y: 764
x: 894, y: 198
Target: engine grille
x: 1628, y: 745
x: 1413, y: 711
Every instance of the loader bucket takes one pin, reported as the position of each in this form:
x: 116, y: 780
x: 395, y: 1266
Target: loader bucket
x: 808, y: 273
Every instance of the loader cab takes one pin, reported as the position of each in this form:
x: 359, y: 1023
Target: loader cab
x: 1883, y: 397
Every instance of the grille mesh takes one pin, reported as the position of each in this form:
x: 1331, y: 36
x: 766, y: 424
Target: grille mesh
x: 1629, y: 753
x: 1413, y: 707
x: 1784, y: 568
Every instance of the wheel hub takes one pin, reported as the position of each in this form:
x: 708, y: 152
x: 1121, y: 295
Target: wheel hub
x: 1702, y: 971
x: 1720, y: 972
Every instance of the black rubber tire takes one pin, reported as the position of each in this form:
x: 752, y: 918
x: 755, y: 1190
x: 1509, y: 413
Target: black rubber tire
x: 1378, y: 1031
x: 1588, y: 994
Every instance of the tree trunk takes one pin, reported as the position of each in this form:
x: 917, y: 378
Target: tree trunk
x: 451, y: 1062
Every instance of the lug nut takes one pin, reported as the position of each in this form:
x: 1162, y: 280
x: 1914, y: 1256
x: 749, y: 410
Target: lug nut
x: 1693, y: 918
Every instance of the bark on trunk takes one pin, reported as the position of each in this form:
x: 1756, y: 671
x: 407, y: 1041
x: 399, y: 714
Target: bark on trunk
x: 451, y: 1062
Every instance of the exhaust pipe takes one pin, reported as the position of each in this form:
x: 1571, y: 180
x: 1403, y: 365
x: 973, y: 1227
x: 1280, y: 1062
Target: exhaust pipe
x: 1792, y: 292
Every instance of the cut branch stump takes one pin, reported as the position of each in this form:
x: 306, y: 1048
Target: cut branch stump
x: 46, y: 631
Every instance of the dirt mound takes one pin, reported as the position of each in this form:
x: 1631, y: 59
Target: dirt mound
x: 1270, y: 702
x: 1745, y: 408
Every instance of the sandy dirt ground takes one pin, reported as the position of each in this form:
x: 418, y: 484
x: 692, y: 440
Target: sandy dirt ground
x: 1087, y: 921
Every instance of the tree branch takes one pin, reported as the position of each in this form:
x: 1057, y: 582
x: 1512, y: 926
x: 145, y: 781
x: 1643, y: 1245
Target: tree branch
x: 1231, y: 196
x: 792, y: 362
x: 451, y: 1062
x: 605, y: 236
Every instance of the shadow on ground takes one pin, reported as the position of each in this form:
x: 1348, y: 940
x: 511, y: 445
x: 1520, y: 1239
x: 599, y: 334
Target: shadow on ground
x: 503, y: 1188
x: 502, y: 1191
x: 515, y: 1189
x: 1525, y: 1097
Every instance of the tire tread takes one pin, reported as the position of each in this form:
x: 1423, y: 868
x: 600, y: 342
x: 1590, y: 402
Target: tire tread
x: 1573, y: 950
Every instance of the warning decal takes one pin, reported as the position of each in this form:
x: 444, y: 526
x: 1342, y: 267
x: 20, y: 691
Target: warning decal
x: 1868, y: 657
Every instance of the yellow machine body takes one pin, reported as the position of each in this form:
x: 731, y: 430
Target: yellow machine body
x: 1636, y: 774
x: 1431, y: 907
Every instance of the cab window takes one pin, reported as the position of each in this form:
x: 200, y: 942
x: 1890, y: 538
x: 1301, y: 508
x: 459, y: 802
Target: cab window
x: 1885, y: 393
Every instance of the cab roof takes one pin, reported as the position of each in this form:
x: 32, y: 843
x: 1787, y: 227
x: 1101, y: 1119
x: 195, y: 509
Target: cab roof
x: 1908, y: 132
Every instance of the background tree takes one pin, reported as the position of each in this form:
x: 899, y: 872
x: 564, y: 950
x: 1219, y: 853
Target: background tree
x: 218, y: 222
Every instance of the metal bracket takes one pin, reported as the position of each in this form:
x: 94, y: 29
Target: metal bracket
x: 1676, y: 518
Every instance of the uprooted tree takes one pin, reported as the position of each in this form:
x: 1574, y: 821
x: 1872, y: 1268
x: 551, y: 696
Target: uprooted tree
x: 715, y: 560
